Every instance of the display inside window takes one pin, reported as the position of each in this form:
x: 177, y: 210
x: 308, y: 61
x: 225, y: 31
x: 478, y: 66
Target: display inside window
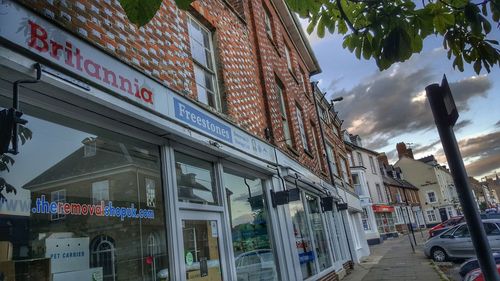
x: 303, y: 241
x: 195, y: 180
x: 76, y: 205
x: 253, y: 251
x: 318, y: 229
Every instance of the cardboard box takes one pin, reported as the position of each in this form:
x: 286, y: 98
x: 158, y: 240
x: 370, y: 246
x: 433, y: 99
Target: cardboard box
x: 91, y: 274
x: 8, y: 270
x: 5, y: 251
x: 33, y: 270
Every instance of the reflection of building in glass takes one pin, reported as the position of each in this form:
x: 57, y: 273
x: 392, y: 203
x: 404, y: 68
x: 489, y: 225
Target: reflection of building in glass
x: 105, y: 173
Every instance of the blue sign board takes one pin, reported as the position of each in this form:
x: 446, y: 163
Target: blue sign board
x: 306, y: 257
x: 202, y: 121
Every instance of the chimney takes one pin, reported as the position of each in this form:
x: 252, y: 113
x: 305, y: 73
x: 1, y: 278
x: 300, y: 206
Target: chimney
x: 404, y: 151
x: 382, y: 159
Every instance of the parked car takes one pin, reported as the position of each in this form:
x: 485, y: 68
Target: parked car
x: 472, y: 264
x: 256, y: 265
x: 456, y: 243
x: 442, y: 227
x: 490, y: 215
x: 477, y: 275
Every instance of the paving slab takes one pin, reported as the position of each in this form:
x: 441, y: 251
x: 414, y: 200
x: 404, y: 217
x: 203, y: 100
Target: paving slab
x: 395, y: 260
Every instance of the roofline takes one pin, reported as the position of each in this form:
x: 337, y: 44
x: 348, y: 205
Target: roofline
x: 297, y: 35
x: 361, y: 148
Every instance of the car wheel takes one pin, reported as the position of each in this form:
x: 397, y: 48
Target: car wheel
x: 438, y: 254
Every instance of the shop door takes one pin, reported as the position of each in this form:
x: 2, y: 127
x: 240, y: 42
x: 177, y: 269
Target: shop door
x: 443, y: 214
x: 203, y: 258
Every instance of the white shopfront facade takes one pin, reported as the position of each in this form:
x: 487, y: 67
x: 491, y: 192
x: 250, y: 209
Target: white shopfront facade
x: 156, y: 187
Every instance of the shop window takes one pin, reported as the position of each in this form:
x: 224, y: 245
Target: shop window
x: 302, y: 130
x: 109, y: 238
x: 103, y: 255
x: 195, y: 180
x: 284, y: 115
x: 354, y: 231
x: 250, y: 231
x: 100, y: 191
x: 58, y: 197
x: 303, y: 239
x: 202, y: 52
x: 331, y: 160
x: 319, y: 233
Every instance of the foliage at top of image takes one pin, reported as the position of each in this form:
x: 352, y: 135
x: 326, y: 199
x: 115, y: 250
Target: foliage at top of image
x: 389, y: 31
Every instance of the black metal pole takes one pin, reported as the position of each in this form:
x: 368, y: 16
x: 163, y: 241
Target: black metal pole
x: 409, y: 237
x: 409, y: 218
x: 445, y: 116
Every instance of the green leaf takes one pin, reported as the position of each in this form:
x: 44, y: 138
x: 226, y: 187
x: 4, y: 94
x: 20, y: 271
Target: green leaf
x: 477, y: 66
x: 141, y: 12
x: 321, y: 27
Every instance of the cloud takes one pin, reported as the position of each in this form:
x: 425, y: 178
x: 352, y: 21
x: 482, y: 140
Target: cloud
x: 426, y: 149
x: 391, y: 103
x: 462, y: 124
x: 497, y: 124
x: 481, y: 153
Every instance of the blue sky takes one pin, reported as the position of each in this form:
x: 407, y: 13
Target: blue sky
x: 388, y: 107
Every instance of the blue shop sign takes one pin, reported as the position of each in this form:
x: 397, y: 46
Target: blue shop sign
x: 202, y: 121
x: 306, y: 257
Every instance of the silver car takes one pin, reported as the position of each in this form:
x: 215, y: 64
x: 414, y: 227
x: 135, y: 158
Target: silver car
x: 457, y: 244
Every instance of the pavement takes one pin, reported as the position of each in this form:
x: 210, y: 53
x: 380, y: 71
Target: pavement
x: 395, y: 260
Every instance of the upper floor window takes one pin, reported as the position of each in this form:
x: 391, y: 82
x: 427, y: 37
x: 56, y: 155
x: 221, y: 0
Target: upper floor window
x: 284, y: 115
x: 318, y: 147
x: 58, y: 196
x: 100, y: 191
x: 268, y: 23
x: 302, y: 129
x: 379, y: 193
x: 331, y: 159
x: 345, y: 175
x: 360, y: 159
x: 202, y: 52
x: 288, y: 57
x: 432, y: 196
x: 372, y: 165
x: 303, y: 80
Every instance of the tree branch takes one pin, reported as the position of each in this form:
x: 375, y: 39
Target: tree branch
x: 344, y: 16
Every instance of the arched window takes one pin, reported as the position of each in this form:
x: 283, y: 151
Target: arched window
x: 102, y: 251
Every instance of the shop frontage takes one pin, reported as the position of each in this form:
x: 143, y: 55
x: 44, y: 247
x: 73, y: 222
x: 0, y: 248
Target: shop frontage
x: 384, y: 215
x: 120, y: 178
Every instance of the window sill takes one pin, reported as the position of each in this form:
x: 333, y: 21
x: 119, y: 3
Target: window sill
x: 306, y: 151
x: 293, y: 150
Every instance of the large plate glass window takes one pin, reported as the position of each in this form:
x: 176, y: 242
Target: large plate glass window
x: 318, y: 229
x: 80, y: 208
x: 303, y: 239
x: 202, y: 52
x: 195, y: 180
x: 253, y: 251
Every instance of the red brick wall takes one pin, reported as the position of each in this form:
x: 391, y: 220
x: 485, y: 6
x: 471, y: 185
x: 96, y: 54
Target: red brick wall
x: 161, y: 49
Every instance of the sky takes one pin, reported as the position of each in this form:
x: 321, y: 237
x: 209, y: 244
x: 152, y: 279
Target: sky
x: 387, y: 107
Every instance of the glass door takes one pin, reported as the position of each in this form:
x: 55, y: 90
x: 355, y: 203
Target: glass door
x: 202, y: 254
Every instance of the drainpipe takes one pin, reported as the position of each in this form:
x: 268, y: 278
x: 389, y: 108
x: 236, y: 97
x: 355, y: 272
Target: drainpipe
x: 329, y: 167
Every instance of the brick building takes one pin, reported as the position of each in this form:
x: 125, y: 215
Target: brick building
x: 338, y: 159
x: 216, y: 100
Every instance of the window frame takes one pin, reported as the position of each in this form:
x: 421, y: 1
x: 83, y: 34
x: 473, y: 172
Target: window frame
x: 285, y: 120
x: 288, y: 57
x: 57, y: 216
x: 215, y: 81
x: 372, y: 165
x: 299, y: 114
x: 429, y: 197
x: 268, y: 23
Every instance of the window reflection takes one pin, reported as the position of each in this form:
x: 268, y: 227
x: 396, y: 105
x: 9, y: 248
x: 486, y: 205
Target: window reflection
x: 195, y: 180
x: 322, y: 247
x: 80, y: 204
x: 303, y: 241
x: 254, y: 258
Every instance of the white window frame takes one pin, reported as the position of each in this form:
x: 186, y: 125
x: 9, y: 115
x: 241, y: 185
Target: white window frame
x: 345, y: 174
x: 431, y: 215
x: 331, y: 159
x: 100, y: 191
x: 268, y: 23
x: 200, y: 65
x: 365, y: 219
x: 302, y: 129
x: 288, y: 57
x: 57, y: 216
x: 360, y: 158
x: 380, y: 195
x: 284, y: 116
x: 150, y: 185
x: 429, y: 197
x: 372, y: 165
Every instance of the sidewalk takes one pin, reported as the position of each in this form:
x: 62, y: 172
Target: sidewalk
x: 394, y: 260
